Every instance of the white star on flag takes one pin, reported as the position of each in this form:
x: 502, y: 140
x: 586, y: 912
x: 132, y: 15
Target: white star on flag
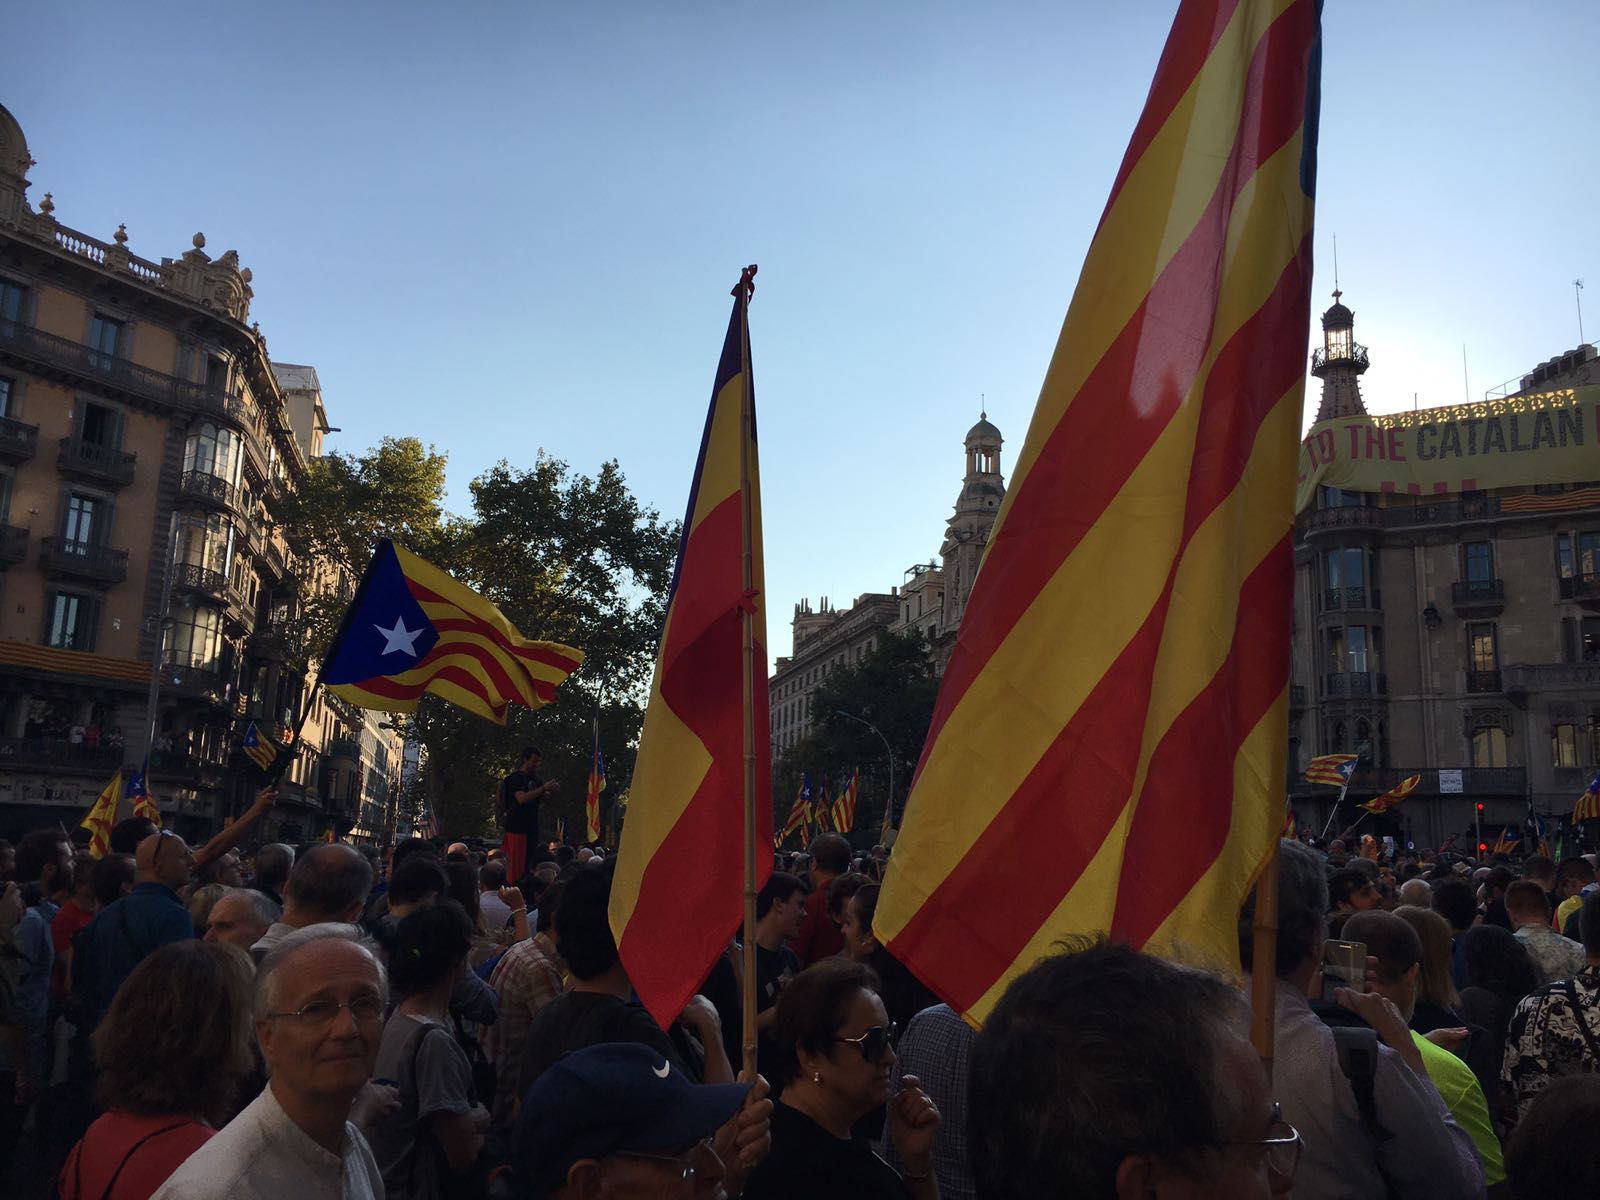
x: 399, y: 639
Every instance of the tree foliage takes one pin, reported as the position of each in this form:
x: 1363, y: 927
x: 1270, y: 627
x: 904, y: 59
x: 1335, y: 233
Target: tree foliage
x: 893, y: 688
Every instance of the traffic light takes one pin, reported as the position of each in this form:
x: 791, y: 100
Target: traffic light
x: 1483, y: 847
x: 1480, y: 808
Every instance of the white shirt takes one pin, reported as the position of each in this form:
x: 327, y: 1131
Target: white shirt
x: 262, y: 1155
x: 496, y: 912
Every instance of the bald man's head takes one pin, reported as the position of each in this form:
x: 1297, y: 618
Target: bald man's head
x: 164, y: 858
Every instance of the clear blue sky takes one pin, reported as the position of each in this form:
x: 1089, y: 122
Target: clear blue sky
x: 506, y: 227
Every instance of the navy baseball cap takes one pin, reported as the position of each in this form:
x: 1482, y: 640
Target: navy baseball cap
x: 608, y: 1098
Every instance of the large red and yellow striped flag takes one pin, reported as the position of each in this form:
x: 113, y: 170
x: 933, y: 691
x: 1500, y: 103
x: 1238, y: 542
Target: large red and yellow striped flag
x: 1107, y: 750
x: 413, y: 629
x: 670, y: 914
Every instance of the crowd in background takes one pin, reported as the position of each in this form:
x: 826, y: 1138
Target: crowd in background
x: 200, y: 1023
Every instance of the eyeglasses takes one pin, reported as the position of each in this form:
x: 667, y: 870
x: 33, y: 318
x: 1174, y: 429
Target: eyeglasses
x: 1282, y: 1145
x: 684, y: 1161
x: 874, y: 1041
x: 323, y: 1012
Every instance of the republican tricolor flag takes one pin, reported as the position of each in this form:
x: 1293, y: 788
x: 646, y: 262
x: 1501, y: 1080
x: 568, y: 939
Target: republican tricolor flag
x: 686, y: 802
x: 1107, y: 750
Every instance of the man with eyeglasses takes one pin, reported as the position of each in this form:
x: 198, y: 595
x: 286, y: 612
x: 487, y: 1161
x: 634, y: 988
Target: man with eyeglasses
x: 125, y: 932
x: 619, y: 1122
x: 319, y: 1001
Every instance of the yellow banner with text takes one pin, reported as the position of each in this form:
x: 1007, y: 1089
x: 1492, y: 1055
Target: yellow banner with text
x: 1543, y: 437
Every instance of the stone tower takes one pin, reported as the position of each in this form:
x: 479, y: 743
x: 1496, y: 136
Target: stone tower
x: 1339, y: 364
x: 967, y: 532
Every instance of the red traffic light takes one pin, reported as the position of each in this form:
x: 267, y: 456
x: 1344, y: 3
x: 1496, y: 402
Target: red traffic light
x: 1480, y: 806
x: 1483, y: 847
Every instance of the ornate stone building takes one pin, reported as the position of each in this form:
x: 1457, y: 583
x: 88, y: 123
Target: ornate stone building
x: 147, y: 597
x: 1453, y: 636
x: 929, y: 602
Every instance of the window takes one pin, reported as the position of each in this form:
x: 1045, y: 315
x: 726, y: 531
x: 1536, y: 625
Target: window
x: 1589, y: 553
x: 1589, y: 640
x: 85, y: 523
x: 6, y: 481
x: 1333, y: 497
x: 70, y: 621
x: 214, y: 451
x: 205, y: 540
x: 1354, y: 648
x: 1564, y: 745
x: 195, y: 639
x: 5, y: 396
x: 1566, y: 560
x: 1481, y: 654
x: 1477, y: 562
x: 216, y: 373
x: 105, y: 333
x: 11, y: 295
x: 1489, y: 748
x: 100, y: 425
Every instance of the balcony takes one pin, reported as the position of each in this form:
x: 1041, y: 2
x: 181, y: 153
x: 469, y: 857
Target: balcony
x: 1539, y: 677
x: 58, y: 754
x: 1343, y: 599
x: 18, y: 442
x: 81, y: 560
x: 1585, y: 589
x: 1341, y: 520
x: 1478, y: 597
x: 1483, y: 682
x: 103, y: 464
x: 1355, y: 683
x: 191, y: 681
x: 82, y: 364
x: 200, y: 580
x: 344, y: 750
x: 1475, y: 781
x: 269, y: 641
x: 208, y: 489
x: 13, y: 544
x: 186, y: 768
x: 1357, y: 358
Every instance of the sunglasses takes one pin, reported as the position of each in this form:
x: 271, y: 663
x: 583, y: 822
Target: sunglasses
x: 874, y: 1041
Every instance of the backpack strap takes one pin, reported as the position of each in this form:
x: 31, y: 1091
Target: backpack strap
x: 77, y: 1161
x: 1358, y: 1059
x: 1580, y: 1018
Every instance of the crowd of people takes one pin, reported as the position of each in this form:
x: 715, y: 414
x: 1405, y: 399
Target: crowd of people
x: 192, y: 1023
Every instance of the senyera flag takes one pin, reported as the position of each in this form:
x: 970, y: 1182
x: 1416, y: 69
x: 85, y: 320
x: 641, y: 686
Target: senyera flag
x: 412, y: 629
x: 686, y: 802
x: 1107, y: 750
x: 1383, y: 803
x: 597, y: 784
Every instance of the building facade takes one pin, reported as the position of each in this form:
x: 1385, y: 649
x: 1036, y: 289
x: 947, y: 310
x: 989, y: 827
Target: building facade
x: 1455, y: 637
x: 928, y: 603
x: 148, y: 599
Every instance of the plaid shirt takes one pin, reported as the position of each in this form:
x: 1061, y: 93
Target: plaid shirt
x: 936, y: 1047
x: 1554, y: 1032
x: 527, y: 977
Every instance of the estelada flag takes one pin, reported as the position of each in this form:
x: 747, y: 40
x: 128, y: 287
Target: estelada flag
x: 844, y: 808
x: 821, y: 810
x: 137, y: 791
x: 670, y: 914
x: 259, y: 747
x: 1129, y: 624
x: 597, y: 784
x: 1333, y: 769
x: 797, y: 814
x: 1588, y: 805
x: 412, y: 629
x: 101, y: 816
x: 1383, y: 803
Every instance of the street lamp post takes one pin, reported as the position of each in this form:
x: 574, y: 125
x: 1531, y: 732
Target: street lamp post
x: 887, y: 749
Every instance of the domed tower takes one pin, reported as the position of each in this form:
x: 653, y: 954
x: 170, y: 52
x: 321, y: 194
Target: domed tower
x: 1339, y: 364
x: 967, y: 532
x: 14, y: 164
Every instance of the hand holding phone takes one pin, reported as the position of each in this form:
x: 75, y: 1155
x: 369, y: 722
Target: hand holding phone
x: 1344, y: 964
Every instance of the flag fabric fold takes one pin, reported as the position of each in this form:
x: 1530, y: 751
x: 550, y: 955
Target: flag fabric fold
x: 1332, y: 769
x: 686, y: 799
x: 138, y: 792
x: 102, y: 815
x: 1383, y: 803
x: 797, y: 815
x: 844, y: 808
x: 597, y: 784
x: 1588, y: 805
x: 413, y: 629
x: 1129, y: 622
x: 258, y: 747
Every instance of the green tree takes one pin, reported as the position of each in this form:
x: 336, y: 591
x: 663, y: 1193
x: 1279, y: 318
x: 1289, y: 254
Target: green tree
x: 568, y: 558
x: 893, y: 688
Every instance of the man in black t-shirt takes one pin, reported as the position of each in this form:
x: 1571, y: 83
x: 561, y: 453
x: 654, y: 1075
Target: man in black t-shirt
x: 780, y: 910
x: 518, y: 810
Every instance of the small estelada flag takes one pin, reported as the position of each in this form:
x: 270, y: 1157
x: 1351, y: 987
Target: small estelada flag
x: 1332, y: 769
x: 259, y: 747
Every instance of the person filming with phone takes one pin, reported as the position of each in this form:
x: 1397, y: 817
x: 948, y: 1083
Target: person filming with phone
x: 1372, y: 1123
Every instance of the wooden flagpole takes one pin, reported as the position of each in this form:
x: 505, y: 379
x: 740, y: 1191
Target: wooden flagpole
x: 742, y: 292
x: 1264, y: 960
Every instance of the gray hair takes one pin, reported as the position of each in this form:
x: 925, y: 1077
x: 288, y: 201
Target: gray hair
x: 273, y: 862
x: 327, y: 881
x: 267, y: 912
x: 1418, y: 892
x: 267, y: 972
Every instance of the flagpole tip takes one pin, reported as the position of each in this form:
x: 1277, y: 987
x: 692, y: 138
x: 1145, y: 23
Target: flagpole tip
x: 746, y: 287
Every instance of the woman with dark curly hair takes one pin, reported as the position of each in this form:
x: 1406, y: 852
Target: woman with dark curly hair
x: 834, y: 1052
x: 172, y: 1050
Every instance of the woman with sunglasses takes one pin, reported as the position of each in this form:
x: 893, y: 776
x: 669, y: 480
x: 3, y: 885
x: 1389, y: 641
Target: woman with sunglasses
x: 835, y: 1053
